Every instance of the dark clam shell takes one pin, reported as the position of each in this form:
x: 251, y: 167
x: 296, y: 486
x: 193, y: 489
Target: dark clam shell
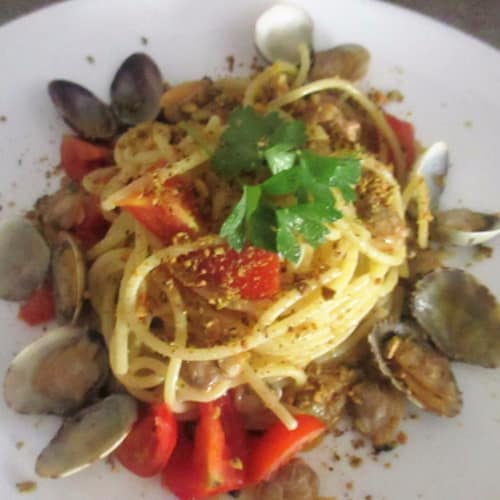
x: 82, y: 110
x: 136, y: 90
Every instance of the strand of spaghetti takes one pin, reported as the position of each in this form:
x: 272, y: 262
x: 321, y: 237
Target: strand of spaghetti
x: 278, y: 370
x: 119, y: 340
x: 286, y: 301
x: 144, y: 363
x: 304, y: 327
x: 95, y: 181
x: 424, y: 213
x: 268, y: 397
x: 380, y: 170
x: 107, y: 264
x: 304, y: 65
x: 107, y: 307
x: 174, y: 365
x: 256, y: 85
x: 116, y: 236
x: 360, y: 237
x: 160, y: 175
x: 344, y: 86
x: 279, y: 327
x: 327, y: 343
x: 316, y: 341
x: 191, y: 394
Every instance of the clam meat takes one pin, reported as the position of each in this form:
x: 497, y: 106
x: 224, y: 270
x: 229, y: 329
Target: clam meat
x: 414, y: 367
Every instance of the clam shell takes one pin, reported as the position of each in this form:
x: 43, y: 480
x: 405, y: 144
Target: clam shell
x: 22, y: 385
x: 433, y: 166
x: 88, y: 436
x: 349, y: 61
x: 460, y: 315
x: 280, y: 30
x: 465, y: 227
x: 423, y: 374
x: 24, y: 259
x: 136, y: 90
x: 82, y: 110
x: 68, y: 278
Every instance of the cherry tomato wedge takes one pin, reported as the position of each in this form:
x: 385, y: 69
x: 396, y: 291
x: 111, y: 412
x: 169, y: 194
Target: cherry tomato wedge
x: 39, y: 308
x: 405, y: 134
x: 253, y: 273
x: 167, y: 213
x: 215, y: 462
x: 79, y: 157
x: 147, y: 449
x: 278, y: 445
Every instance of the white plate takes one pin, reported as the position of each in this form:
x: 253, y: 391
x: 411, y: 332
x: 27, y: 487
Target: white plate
x: 451, y: 84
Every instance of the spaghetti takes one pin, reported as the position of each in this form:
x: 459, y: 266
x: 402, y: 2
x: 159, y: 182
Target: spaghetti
x: 324, y: 297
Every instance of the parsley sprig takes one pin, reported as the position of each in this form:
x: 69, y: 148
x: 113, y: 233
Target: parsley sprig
x: 295, y: 202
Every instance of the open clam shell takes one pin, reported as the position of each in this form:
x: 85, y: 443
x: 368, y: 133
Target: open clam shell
x: 464, y: 227
x: 82, y: 110
x: 460, y: 315
x: 433, y: 166
x: 349, y: 61
x: 58, y: 373
x: 68, y: 278
x: 280, y: 30
x: 136, y: 90
x: 415, y: 367
x: 24, y: 259
x: 88, y: 436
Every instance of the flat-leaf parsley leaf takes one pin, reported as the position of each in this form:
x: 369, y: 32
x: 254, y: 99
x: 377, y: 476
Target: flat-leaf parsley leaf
x: 296, y: 202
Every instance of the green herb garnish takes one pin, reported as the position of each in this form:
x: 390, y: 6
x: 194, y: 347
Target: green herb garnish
x: 295, y: 201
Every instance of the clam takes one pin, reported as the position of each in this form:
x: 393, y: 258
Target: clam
x: 349, y: 61
x: 136, y: 90
x: 464, y: 227
x: 460, y: 315
x: 90, y: 435
x: 415, y: 367
x: 433, y: 166
x: 280, y: 30
x: 24, y: 259
x: 58, y: 373
x: 68, y: 278
x: 82, y: 110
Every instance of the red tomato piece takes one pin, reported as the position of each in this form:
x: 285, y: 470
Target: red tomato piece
x: 165, y: 216
x: 278, y: 445
x: 79, y: 157
x: 94, y: 226
x: 215, y: 462
x: 405, y: 134
x: 147, y: 449
x: 253, y: 273
x: 39, y: 308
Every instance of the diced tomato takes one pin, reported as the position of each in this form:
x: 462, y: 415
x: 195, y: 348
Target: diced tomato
x: 94, y: 226
x: 39, y: 308
x: 405, y: 134
x: 253, y: 273
x: 147, y: 449
x: 278, y: 445
x: 167, y: 214
x: 215, y: 462
x: 79, y: 157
